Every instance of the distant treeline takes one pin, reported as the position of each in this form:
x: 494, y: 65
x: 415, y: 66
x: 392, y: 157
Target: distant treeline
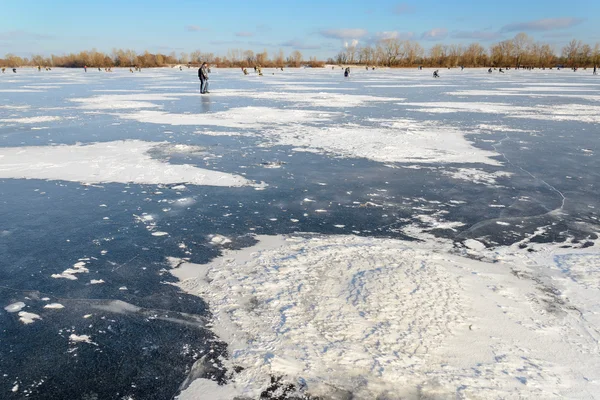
x: 129, y: 58
x: 522, y: 50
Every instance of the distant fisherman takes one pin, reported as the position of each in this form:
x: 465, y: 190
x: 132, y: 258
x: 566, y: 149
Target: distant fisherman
x: 436, y: 73
x: 3, y: 69
x: 490, y: 71
x: 595, y: 70
x: 347, y: 72
x: 15, y: 70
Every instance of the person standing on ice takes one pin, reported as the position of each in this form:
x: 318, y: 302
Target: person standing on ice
x: 203, y: 75
x: 595, y: 70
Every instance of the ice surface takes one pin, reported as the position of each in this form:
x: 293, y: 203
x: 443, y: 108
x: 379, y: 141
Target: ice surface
x: 401, y: 140
x: 464, y: 164
x: 15, y: 307
x: 243, y: 117
x: 27, y: 317
x: 30, y: 120
x: 54, y: 306
x: 122, y: 161
x: 74, y: 338
x: 374, y: 317
x: 314, y: 99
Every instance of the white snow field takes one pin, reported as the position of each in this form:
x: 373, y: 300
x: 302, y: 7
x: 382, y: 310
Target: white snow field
x: 347, y: 316
x: 373, y: 318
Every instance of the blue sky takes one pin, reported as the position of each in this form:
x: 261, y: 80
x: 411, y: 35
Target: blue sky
x: 316, y: 28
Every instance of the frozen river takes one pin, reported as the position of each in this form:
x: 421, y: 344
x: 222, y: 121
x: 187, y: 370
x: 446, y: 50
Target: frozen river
x: 389, y: 234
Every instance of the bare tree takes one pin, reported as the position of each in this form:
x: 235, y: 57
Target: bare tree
x: 571, y: 51
x: 195, y: 56
x: 295, y: 59
x: 521, y: 47
x: 261, y: 58
x: 249, y: 57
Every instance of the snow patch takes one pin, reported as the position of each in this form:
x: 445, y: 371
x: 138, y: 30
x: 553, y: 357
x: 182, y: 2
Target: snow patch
x: 121, y: 161
x: 15, y: 307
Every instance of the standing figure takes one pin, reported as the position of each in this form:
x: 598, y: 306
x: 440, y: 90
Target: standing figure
x: 595, y: 70
x: 347, y: 72
x: 203, y: 75
x: 436, y: 73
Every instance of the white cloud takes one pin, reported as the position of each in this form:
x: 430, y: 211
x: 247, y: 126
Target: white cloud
x: 343, y: 33
x: 387, y: 35
x: 547, y: 24
x: 476, y: 35
x: 435, y: 34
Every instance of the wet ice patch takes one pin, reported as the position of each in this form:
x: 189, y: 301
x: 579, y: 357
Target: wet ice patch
x: 122, y: 161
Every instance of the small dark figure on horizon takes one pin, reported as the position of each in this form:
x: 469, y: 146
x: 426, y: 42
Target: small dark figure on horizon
x: 436, y: 73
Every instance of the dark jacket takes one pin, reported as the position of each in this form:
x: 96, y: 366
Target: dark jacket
x: 203, y: 73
